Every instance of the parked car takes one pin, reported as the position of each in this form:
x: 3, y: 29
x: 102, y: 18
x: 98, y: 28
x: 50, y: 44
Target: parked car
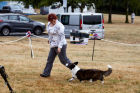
x: 12, y: 8
x: 10, y: 22
x: 83, y: 22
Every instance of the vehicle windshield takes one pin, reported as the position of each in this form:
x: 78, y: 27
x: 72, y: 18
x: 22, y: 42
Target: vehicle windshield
x: 92, y: 19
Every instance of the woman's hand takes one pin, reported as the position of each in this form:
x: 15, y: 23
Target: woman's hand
x: 59, y: 50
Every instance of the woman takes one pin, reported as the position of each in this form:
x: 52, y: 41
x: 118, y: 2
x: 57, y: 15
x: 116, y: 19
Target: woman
x: 57, y: 43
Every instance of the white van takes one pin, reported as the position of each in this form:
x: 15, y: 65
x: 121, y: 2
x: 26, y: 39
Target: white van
x: 83, y: 22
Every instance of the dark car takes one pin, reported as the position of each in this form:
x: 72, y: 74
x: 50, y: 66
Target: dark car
x: 10, y: 22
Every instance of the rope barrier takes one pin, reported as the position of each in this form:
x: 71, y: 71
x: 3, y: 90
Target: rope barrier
x: 13, y: 40
x: 39, y: 37
x: 28, y: 34
x: 121, y: 43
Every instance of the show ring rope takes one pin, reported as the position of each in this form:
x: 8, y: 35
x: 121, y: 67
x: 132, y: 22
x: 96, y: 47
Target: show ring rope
x: 29, y: 34
x: 134, y: 45
x: 3, y: 43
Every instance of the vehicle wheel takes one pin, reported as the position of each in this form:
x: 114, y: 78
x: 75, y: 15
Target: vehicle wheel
x: 5, y: 31
x: 38, y: 31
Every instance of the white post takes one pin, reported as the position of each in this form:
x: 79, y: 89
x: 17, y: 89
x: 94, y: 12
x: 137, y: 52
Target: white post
x: 28, y: 34
x: 30, y: 43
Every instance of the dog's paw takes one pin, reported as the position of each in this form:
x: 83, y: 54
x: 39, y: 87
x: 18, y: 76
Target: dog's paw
x: 81, y: 81
x: 102, y: 82
x: 71, y: 79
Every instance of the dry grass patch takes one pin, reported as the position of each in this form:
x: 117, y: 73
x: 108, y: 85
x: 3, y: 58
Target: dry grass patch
x: 24, y: 72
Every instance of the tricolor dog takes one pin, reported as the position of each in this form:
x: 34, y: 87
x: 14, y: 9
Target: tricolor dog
x: 88, y: 74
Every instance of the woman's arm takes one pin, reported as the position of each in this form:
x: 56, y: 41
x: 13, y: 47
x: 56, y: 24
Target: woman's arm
x: 62, y: 36
x: 49, y: 36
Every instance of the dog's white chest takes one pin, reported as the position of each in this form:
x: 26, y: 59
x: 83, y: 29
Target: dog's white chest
x: 75, y: 70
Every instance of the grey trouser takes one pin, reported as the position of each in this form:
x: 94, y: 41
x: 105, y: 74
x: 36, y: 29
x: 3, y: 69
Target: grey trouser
x: 132, y: 20
x: 52, y: 54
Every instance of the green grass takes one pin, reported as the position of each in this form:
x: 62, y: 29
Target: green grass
x: 41, y: 18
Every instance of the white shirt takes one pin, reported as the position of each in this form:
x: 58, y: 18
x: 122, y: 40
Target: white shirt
x: 56, y: 35
x: 133, y: 15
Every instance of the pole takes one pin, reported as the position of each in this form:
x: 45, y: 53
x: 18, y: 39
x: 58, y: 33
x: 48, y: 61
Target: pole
x: 95, y: 36
x: 93, y: 49
x: 28, y: 34
x: 30, y: 43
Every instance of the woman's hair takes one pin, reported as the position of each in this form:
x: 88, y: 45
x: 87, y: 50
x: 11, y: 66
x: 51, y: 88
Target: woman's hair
x: 51, y: 17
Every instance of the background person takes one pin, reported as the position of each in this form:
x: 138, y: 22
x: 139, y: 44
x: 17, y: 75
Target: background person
x: 132, y: 18
x: 57, y: 43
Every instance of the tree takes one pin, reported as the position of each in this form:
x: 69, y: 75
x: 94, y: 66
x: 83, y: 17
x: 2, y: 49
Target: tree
x: 48, y: 2
x: 108, y: 6
x: 3, y: 0
x: 110, y: 12
x: 127, y: 10
x: 129, y: 6
x: 82, y: 4
x: 79, y: 4
x: 73, y: 4
x: 135, y: 6
x: 38, y: 3
x: 105, y: 6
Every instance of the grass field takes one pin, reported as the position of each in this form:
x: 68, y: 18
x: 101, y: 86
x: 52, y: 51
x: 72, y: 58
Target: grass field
x: 24, y: 71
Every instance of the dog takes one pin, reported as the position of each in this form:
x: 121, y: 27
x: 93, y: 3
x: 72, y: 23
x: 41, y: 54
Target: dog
x: 88, y: 74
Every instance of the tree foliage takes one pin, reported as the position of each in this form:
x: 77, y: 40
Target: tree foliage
x: 118, y: 6
x: 73, y: 4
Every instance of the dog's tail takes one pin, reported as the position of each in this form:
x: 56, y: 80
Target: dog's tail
x: 108, y: 72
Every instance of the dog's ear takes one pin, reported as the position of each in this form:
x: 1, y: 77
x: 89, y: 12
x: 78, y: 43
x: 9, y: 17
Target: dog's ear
x: 76, y: 63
